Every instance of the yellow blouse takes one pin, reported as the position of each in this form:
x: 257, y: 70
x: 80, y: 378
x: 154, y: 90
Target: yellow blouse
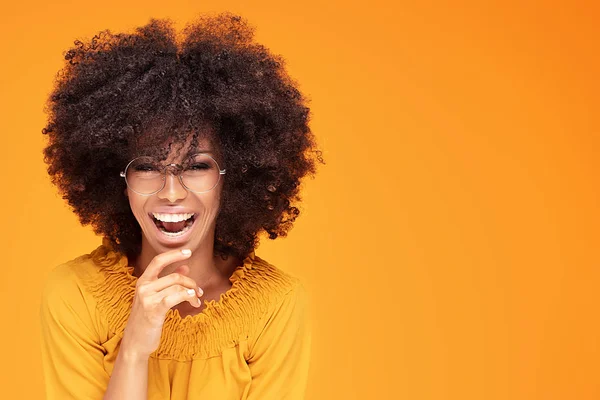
x: 254, y: 343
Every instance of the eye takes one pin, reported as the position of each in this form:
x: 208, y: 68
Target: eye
x: 198, y: 167
x: 145, y: 168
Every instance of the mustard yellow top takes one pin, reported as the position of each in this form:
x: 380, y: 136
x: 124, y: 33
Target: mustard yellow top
x: 253, y: 343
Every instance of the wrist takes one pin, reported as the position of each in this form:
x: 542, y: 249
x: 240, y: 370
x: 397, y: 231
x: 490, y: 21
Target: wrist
x: 132, y: 355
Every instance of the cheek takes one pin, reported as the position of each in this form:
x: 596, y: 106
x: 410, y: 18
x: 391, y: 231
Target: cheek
x: 210, y: 207
x: 137, y: 206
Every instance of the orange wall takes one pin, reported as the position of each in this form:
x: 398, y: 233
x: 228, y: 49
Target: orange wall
x: 450, y: 243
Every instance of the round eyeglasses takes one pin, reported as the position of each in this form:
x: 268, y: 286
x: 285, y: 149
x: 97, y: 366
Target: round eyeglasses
x: 145, y: 176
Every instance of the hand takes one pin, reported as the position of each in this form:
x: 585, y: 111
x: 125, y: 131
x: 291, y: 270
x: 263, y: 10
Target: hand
x: 152, y: 300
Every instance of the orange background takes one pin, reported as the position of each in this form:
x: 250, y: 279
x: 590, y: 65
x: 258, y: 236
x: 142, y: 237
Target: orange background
x: 449, y: 244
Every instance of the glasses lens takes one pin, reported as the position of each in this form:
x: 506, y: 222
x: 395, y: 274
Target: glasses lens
x: 144, y: 175
x: 201, y: 173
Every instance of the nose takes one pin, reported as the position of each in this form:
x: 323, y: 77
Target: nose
x: 173, y: 189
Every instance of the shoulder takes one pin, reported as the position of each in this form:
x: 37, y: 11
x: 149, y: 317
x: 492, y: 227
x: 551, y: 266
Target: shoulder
x: 283, y: 302
x: 276, y: 292
x: 65, y: 280
x: 66, y: 298
x: 272, y: 284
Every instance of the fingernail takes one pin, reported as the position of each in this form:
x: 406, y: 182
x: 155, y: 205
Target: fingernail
x: 200, y: 292
x: 191, y: 292
x: 186, y: 252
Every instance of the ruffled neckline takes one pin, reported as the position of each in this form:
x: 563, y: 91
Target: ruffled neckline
x: 120, y: 262
x: 221, y: 323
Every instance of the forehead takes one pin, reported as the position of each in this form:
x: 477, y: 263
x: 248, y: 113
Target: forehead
x: 174, y: 148
x: 178, y: 151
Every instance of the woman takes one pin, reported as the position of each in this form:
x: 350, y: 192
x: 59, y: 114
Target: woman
x: 179, y: 150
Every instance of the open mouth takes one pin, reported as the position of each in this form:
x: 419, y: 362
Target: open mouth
x: 173, y: 226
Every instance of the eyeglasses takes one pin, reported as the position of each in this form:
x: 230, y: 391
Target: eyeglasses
x: 145, y: 176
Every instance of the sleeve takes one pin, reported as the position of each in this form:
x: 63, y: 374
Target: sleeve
x: 279, y: 358
x: 72, y: 358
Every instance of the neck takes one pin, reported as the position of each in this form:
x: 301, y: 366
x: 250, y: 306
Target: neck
x: 205, y: 268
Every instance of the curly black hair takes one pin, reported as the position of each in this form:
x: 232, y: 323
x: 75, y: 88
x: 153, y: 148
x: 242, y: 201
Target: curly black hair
x: 122, y: 94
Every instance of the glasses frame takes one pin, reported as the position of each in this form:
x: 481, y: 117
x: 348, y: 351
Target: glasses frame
x: 180, y: 168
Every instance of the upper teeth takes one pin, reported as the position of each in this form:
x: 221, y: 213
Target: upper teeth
x: 172, y: 217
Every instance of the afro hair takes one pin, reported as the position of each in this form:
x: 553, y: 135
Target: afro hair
x: 119, y: 95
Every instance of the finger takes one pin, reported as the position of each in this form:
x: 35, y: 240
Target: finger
x: 174, y: 295
x: 159, y: 262
x: 174, y: 279
x: 177, y: 289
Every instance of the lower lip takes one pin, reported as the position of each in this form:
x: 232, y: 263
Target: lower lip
x: 173, y: 239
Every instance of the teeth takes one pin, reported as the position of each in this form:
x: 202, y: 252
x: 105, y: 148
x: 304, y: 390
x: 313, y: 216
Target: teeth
x: 172, y: 217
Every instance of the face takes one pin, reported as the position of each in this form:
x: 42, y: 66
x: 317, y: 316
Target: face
x: 174, y: 202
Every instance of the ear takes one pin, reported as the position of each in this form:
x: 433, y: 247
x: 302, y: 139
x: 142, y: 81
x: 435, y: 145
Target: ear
x: 125, y: 192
